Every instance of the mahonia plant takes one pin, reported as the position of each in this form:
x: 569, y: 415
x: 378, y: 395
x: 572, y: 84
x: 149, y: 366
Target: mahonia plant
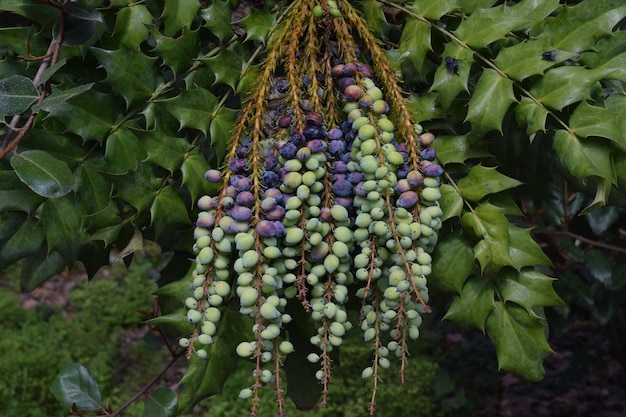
x: 288, y: 146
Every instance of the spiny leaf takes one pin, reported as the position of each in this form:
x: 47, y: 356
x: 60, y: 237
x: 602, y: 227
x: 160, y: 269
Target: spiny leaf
x: 609, y: 53
x: 591, y: 20
x: 177, y: 53
x: 131, y: 25
x: 415, y: 42
x: 566, y: 85
x: 59, y: 97
x: 524, y: 59
x: 24, y: 242
x: 161, y: 403
x: 457, y: 149
x: 453, y: 262
x: 17, y: 93
x: 432, y: 10
x: 15, y: 195
x: 62, y: 226
x: 524, y: 250
x: 451, y: 202
x: 583, y: 157
x: 226, y: 65
x: 137, y: 188
x: 221, y: 129
x: 193, y: 108
x: 482, y: 181
x: 424, y: 107
x: 166, y: 151
x: 40, y: 267
x: 168, y: 211
x: 33, y: 10
x: 520, y: 340
x: 373, y: 12
x: 123, y: 151
x: 217, y: 19
x: 528, y: 288
x: 449, y: 82
x: 531, y: 114
x: 257, y: 24
x: 193, y: 169
x: 178, y: 15
x: 473, y: 305
x: 490, y: 101
x: 588, y: 120
x: 43, y: 173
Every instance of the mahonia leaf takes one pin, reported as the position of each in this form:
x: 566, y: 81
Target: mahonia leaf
x: 226, y: 65
x: 257, y: 24
x: 432, y: 10
x: 131, y: 25
x: 524, y: 250
x: 248, y: 80
x: 62, y: 226
x: 591, y: 20
x: 193, y: 169
x: 93, y: 195
x: 531, y: 114
x: 178, y: 15
x: 176, y: 53
x: 221, y: 129
x: 609, y: 53
x: 166, y: 151
x: 588, y: 120
x: 448, y: 81
x: 161, y: 403
x: 473, y: 305
x: 490, y: 101
x: 123, y: 151
x: 491, y: 228
x: 524, y: 59
x: 528, y: 288
x: 177, y: 319
x: 26, y: 241
x: 520, y: 340
x: 206, y: 377
x: 15, y: 195
x: 137, y: 188
x: 40, y: 267
x: 415, y: 42
x: 482, y: 181
x: 583, y: 158
x: 217, y: 19
x: 193, y: 108
x: 456, y: 149
x: 453, y: 262
x: 451, y: 202
x: 566, y: 85
x: 133, y: 75
x: 168, y: 210
x: 375, y: 17
x: 424, y: 107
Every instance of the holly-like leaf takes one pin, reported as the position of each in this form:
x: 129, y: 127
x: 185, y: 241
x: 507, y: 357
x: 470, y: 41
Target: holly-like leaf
x: 131, y: 25
x: 482, y: 181
x: 178, y: 15
x: 206, y: 377
x: 257, y: 24
x: 193, y: 169
x: 457, y: 149
x: 178, y: 320
x: 17, y: 94
x: 161, y: 403
x: 375, y: 17
x: 43, y: 173
x: 248, y: 80
x: 592, y: 20
x: 76, y: 385
x: 25, y: 241
x: 451, y: 202
x: 453, y: 262
x: 15, y: 195
x: 221, y: 129
x: 563, y: 86
x: 166, y: 151
x: 133, y: 75
x: 424, y: 107
x: 432, y: 10
x: 520, y: 340
x: 524, y: 59
x: 450, y: 81
x: 524, y: 250
x: 33, y: 10
x: 137, y: 188
x: 168, y: 211
x: 193, y: 108
x: 583, y: 157
x: 415, y: 42
x: 217, y: 19
x: 226, y: 65
x: 490, y: 101
x: 123, y: 151
x: 93, y: 195
x: 473, y: 305
x: 588, y: 120
x: 177, y: 53
x: 528, y: 288
x: 62, y: 226
x: 531, y: 114
x: 609, y: 53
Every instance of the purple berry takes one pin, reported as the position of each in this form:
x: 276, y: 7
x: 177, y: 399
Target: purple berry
x: 265, y: 228
x: 238, y: 165
x: 274, y: 193
x: 365, y: 70
x: 415, y: 178
x: 270, y: 179
x: 335, y: 134
x: 213, y: 175
x: 240, y: 213
x: 285, y: 121
x: 337, y: 71
x: 314, y: 118
x: 279, y: 229
x: 408, y: 199
x: 245, y: 198
x: 316, y: 145
x: 353, y: 92
x: 282, y: 86
x: 288, y: 150
x: 350, y: 69
x: 336, y: 147
x: 298, y: 139
x: 426, y: 139
x: 313, y: 132
x: 429, y: 154
x: 340, y: 167
x: 355, y: 177
x: 242, y: 152
x: 277, y: 213
x: 432, y: 170
x: 241, y: 183
x: 342, y: 188
x: 303, y: 154
x: 344, y: 83
x: 270, y: 163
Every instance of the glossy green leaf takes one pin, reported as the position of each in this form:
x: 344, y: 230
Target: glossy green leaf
x: 83, y: 12
x: 373, y: 13
x: 91, y: 115
x: 168, y: 210
x: 177, y: 320
x: 583, y: 157
x: 193, y: 108
x: 161, y: 403
x: 609, y: 53
x: 25, y: 241
x: 473, y: 305
x: 524, y: 250
x: 61, y: 222
x: 76, y: 31
x: 457, y: 149
x: 482, y: 181
x: 588, y: 120
x: 432, y: 10
x: 138, y: 188
x: 131, y: 25
x: 40, y: 267
x: 591, y: 20
x: 124, y: 151
x: 520, y: 340
x: 217, y: 19
x: 469, y: 6
x: 178, y: 15
x: 598, y: 266
x: 528, y: 288
x: 451, y: 202
x: 450, y: 83
x: 206, y: 377
x: 490, y: 227
x: 453, y: 262
x: 166, y: 151
x: 490, y: 101
x: 257, y: 24
x: 415, y: 42
x: 14, y: 39
x: 43, y: 173
x: 178, y: 289
x: 221, y: 129
x: 563, y: 86
x: 227, y: 66
x: 531, y: 114
x: 602, y: 219
x: 58, y: 98
x: 248, y: 80
x: 193, y: 169
x: 17, y: 94
x: 10, y: 222
x: 177, y: 53
x: 524, y: 59
x: 133, y: 75
x: 93, y: 196
x: 33, y: 10
x: 424, y: 107
x: 15, y: 195
x: 76, y: 385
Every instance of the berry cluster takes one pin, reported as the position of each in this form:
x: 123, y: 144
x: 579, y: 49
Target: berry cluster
x: 333, y: 197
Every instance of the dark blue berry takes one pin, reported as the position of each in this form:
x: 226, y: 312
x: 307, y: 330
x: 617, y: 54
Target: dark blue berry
x: 288, y: 150
x: 270, y: 179
x: 429, y: 154
x: 342, y: 188
x: 452, y: 65
x: 270, y: 163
